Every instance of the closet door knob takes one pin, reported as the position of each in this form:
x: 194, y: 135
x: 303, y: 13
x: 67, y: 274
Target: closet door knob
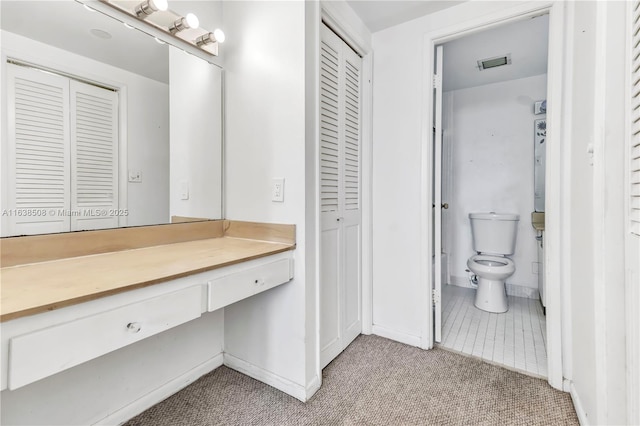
x: 445, y: 206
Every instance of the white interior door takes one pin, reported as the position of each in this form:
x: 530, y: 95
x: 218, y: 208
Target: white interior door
x: 632, y: 243
x: 437, y: 196
x: 330, y: 198
x: 340, y: 203
x: 352, y: 212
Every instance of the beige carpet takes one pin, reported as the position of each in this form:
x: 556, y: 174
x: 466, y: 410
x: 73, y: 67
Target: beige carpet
x: 375, y: 381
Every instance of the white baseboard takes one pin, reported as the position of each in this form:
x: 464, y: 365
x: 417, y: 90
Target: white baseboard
x: 285, y: 385
x: 313, y: 387
x: 163, y: 392
x: 398, y: 336
x: 577, y: 404
x: 512, y: 289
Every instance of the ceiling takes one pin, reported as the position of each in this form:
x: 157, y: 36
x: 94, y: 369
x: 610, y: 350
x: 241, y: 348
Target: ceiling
x: 380, y: 14
x: 68, y: 25
x: 526, y: 41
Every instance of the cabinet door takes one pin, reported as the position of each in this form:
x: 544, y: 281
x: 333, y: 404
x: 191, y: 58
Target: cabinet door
x: 340, y: 211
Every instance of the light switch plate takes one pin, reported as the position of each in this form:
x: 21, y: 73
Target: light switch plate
x: 278, y: 190
x: 135, y: 176
x: 184, y: 190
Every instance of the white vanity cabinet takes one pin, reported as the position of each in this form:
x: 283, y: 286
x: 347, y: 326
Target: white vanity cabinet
x: 37, y: 346
x: 252, y: 278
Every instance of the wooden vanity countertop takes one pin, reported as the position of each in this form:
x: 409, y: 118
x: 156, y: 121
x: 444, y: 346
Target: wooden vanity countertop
x: 33, y: 288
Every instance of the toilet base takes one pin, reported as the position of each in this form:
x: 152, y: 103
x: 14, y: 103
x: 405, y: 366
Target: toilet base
x: 491, y: 296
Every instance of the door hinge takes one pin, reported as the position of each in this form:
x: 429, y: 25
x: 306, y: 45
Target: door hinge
x: 435, y: 296
x: 437, y: 81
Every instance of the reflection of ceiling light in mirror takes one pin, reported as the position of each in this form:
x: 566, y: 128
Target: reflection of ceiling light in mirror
x: 100, y: 33
x: 189, y: 21
x: 88, y: 8
x: 148, y: 7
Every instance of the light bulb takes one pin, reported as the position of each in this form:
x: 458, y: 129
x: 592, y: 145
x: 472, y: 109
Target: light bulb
x: 148, y: 7
x: 218, y: 34
x: 160, y: 4
x: 210, y: 38
x: 190, y: 21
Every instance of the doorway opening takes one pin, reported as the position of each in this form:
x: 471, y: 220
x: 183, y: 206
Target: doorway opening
x: 489, y: 157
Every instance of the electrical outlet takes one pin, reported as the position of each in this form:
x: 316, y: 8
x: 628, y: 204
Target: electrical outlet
x: 277, y: 194
x: 135, y: 176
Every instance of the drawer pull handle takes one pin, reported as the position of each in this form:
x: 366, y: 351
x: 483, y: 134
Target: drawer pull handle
x: 259, y: 281
x: 134, y: 327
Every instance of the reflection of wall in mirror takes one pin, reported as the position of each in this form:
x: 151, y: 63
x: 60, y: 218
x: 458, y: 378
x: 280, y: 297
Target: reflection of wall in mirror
x: 196, y: 136
x: 147, y: 134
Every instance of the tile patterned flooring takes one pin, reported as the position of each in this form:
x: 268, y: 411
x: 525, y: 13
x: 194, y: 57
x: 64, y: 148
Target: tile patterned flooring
x: 516, y: 338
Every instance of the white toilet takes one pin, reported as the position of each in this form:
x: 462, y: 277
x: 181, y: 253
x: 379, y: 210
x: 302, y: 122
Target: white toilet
x: 494, y: 238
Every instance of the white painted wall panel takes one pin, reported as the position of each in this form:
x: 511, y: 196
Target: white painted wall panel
x: 265, y: 138
x: 490, y: 130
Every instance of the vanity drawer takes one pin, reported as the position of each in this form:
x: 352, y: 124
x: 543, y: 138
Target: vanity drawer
x: 231, y: 288
x: 42, y: 353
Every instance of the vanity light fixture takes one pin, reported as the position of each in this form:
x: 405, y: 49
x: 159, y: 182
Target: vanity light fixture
x: 210, y: 38
x: 156, y: 14
x: 148, y: 7
x: 186, y: 22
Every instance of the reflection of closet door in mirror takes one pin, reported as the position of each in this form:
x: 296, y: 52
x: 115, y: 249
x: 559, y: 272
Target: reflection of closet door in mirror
x: 94, y: 157
x: 62, y: 166
x: 37, y: 187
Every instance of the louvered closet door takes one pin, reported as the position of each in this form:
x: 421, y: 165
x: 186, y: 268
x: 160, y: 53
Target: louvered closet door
x: 634, y: 140
x: 37, y: 153
x: 340, y: 289
x: 94, y: 157
x: 352, y: 213
x: 632, y: 243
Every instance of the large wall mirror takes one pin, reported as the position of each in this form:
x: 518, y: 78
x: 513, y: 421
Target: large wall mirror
x: 104, y: 126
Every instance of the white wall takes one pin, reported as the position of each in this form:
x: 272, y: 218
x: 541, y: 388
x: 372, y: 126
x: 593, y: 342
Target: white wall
x: 597, y: 290
x: 196, y: 136
x: 490, y: 131
x: 147, y: 106
x: 399, y: 72
x: 265, y: 138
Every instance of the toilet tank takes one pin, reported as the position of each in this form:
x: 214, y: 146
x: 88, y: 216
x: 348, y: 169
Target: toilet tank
x: 494, y: 233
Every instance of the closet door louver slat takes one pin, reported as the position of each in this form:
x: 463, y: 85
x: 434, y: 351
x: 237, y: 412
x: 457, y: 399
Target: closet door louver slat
x: 634, y: 149
x: 352, y: 137
x: 94, y: 171
x: 329, y: 130
x: 37, y: 152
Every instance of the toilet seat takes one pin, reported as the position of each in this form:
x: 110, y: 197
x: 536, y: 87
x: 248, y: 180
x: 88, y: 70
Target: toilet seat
x: 483, y: 264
